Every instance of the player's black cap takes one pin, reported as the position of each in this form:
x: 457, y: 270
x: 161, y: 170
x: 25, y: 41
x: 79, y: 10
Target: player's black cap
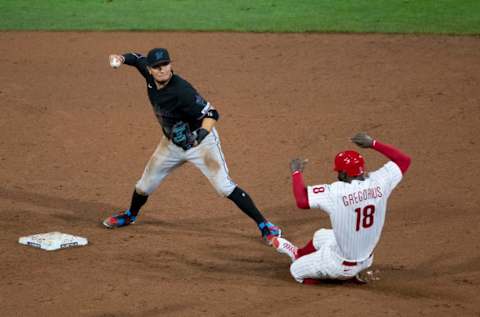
x: 157, y: 56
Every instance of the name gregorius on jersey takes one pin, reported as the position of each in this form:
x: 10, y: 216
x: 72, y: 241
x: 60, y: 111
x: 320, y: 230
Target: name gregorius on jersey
x: 361, y: 196
x: 355, y: 197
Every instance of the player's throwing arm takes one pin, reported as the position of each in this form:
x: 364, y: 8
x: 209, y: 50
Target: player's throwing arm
x: 188, y: 123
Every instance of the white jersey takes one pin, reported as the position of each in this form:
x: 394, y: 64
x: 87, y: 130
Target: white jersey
x: 357, y: 209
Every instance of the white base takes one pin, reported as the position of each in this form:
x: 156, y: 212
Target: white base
x: 53, y: 241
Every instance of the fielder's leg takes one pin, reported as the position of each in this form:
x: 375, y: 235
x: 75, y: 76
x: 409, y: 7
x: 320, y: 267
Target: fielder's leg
x: 129, y: 216
x: 209, y: 158
x: 165, y: 158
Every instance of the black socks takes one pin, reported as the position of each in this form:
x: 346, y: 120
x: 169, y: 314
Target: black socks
x: 245, y: 203
x: 137, y: 202
x: 238, y: 196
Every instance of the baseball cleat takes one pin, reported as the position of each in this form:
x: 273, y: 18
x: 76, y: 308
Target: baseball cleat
x: 269, y: 230
x: 117, y: 221
x: 286, y: 247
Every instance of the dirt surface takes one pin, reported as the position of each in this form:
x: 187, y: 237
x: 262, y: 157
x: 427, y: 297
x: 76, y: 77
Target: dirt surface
x: 75, y: 136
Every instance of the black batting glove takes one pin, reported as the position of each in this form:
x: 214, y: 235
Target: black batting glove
x: 201, y: 134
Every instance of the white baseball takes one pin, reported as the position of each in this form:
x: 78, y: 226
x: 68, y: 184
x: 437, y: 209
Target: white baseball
x: 115, y: 62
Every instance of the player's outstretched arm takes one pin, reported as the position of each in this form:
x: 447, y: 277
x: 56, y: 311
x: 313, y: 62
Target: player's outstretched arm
x: 401, y: 159
x: 132, y: 59
x: 298, y: 185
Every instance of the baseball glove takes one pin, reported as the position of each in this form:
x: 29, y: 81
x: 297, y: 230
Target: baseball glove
x: 362, y: 140
x: 298, y: 165
x: 182, y: 136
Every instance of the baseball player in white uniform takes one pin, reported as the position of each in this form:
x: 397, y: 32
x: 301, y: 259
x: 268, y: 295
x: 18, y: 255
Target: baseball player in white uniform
x: 356, y: 204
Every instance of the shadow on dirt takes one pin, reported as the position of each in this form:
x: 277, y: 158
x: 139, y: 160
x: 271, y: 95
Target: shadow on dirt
x: 68, y: 209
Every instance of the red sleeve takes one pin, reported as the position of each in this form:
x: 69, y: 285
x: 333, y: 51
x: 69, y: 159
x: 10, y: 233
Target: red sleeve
x: 300, y: 191
x: 399, y: 158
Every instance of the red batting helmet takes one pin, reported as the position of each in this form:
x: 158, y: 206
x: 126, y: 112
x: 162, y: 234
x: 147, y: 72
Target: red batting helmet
x: 350, y: 162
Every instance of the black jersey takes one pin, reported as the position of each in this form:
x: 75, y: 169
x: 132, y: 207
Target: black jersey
x: 177, y: 101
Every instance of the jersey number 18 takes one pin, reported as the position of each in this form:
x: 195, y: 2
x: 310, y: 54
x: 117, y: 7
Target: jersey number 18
x: 365, y: 217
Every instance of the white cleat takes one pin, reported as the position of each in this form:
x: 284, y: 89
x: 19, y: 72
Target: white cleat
x: 284, y: 246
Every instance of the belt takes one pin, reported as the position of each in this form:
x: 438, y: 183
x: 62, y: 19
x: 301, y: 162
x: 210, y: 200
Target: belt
x: 348, y: 263
x: 353, y: 263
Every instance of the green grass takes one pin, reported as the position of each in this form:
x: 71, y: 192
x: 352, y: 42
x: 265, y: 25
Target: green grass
x: 386, y: 16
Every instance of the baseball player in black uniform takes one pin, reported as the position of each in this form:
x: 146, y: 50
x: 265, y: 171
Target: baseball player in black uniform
x: 189, y: 135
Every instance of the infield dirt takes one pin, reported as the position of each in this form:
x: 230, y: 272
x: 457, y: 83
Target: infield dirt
x: 76, y: 135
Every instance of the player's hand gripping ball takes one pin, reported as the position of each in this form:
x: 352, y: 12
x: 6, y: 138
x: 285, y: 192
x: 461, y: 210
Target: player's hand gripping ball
x: 363, y: 140
x: 116, y: 61
x: 298, y: 165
